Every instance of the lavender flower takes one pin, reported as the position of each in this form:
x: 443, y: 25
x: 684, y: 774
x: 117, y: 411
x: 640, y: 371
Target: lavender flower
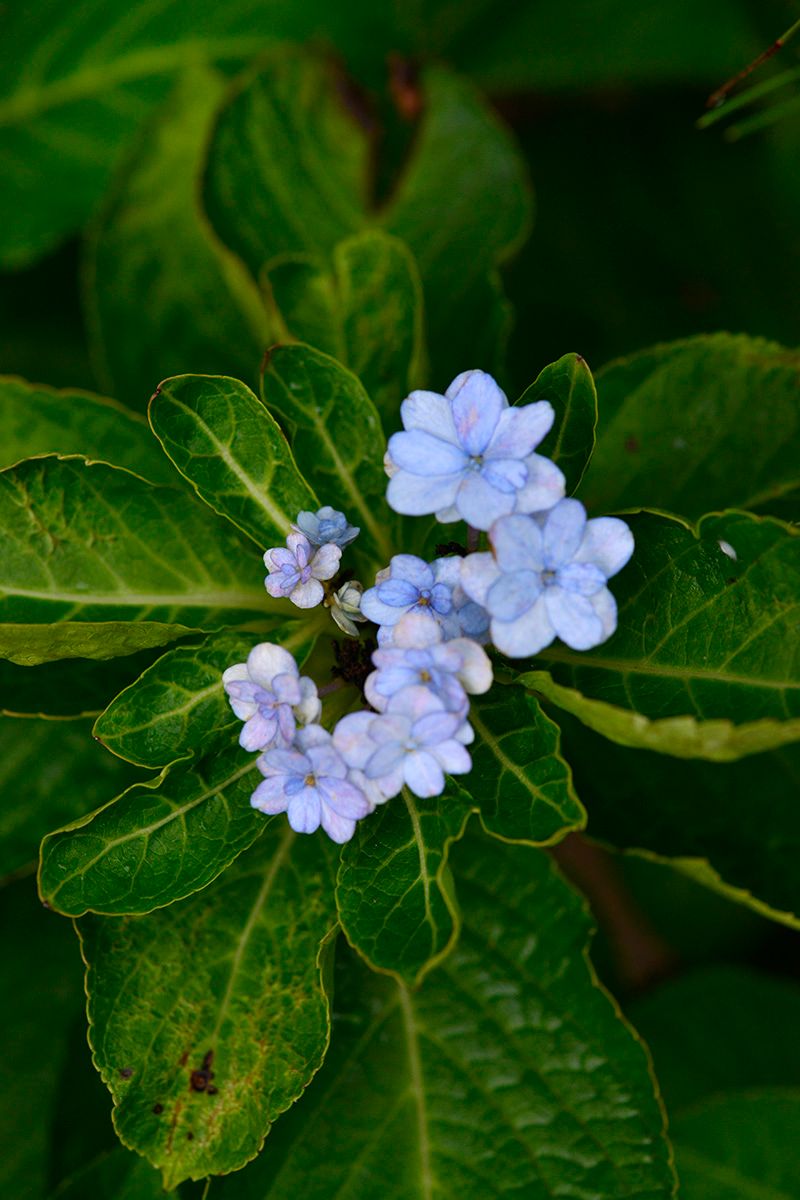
x: 420, y: 655
x: 269, y: 695
x: 468, y: 456
x: 547, y: 579
x: 326, y: 526
x: 408, y: 584
x: 309, y: 783
x: 296, y: 570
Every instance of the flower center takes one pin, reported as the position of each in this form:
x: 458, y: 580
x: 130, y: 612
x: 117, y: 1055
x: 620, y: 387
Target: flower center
x: 548, y: 577
x: 310, y: 780
x: 424, y: 597
x: 424, y: 676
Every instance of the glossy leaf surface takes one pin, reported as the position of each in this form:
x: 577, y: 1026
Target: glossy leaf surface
x: 569, y: 387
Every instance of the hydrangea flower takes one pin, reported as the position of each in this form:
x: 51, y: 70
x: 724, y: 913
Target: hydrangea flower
x: 420, y: 655
x: 345, y: 606
x: 326, y: 526
x: 270, y: 696
x: 408, y: 584
x: 414, y: 743
x: 468, y: 455
x: 309, y: 783
x: 466, y: 618
x: 546, y: 578
x: 295, y: 570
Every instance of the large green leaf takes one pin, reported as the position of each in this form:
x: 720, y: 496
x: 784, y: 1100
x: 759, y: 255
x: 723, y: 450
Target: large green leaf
x: 733, y: 826
x: 705, y: 662
x: 118, y: 1173
x: 40, y: 420
x: 155, y: 843
x: 227, y: 982
x: 508, y: 1073
x: 519, y: 783
x: 83, y: 544
x: 162, y: 294
x: 220, y: 436
x: 77, y: 687
x: 395, y: 890
x: 49, y: 774
x: 179, y: 705
x: 366, y: 312
x: 336, y: 434
x: 289, y: 173
x: 680, y: 426
x: 569, y: 387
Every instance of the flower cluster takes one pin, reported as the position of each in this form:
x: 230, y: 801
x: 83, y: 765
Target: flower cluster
x: 465, y: 455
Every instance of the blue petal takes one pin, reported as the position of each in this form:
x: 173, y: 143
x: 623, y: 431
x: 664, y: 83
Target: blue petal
x: 477, y: 405
x: 608, y: 543
x: 563, y: 532
x: 574, y: 619
x: 398, y: 593
x: 584, y: 579
x: 517, y: 542
x: 480, y: 504
x: 423, y: 454
x: 417, y: 495
x: 513, y: 594
x: 520, y: 430
x: 505, y: 474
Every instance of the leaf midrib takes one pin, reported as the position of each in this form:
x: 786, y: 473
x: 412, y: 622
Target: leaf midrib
x: 641, y: 667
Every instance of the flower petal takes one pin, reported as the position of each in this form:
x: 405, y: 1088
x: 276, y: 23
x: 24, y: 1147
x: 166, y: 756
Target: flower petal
x: 478, y: 573
x: 281, y: 761
x: 325, y: 562
x: 517, y: 543
x: 453, y: 757
x: 574, y: 618
x: 423, y: 774
x: 480, y: 504
x: 477, y: 403
x: 607, y: 542
x: 545, y: 486
x: 267, y: 660
x: 339, y: 829
x: 416, y: 495
x: 436, y: 727
x: 519, y: 430
x: 584, y: 579
x: 351, y: 738
x: 417, y: 629
x: 513, y: 594
x: 305, y: 811
x: 412, y: 569
x: 398, y: 593
x: 605, y: 607
x: 258, y: 732
x: 307, y: 595
x: 385, y: 760
x: 475, y: 672
x: 527, y: 635
x: 343, y: 797
x: 269, y: 796
x: 431, y: 412
x: 563, y: 532
x: 423, y: 453
x: 505, y: 474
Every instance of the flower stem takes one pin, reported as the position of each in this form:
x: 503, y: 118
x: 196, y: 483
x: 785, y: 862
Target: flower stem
x: 473, y: 539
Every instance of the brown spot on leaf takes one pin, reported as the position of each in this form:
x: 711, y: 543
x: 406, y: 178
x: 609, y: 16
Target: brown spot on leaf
x: 158, y: 1109
x: 405, y: 88
x: 126, y: 1072
x: 632, y: 445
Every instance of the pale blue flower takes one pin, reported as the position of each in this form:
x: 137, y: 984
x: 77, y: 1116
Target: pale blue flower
x: 468, y: 456
x: 295, y: 570
x: 309, y: 783
x: 326, y: 526
x: 414, y: 742
x: 408, y: 584
x: 466, y: 618
x: 270, y: 696
x: 420, y: 655
x: 546, y: 578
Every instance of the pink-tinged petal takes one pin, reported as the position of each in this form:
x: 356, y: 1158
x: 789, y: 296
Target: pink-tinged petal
x: 480, y: 504
x: 281, y: 761
x: 269, y: 797
x: 339, y: 829
x: 326, y: 760
x: 309, y: 706
x: 527, y: 635
x: 605, y: 606
x: 370, y: 787
x: 279, y: 557
x: 325, y: 562
x: 517, y: 543
x: 258, y: 733
x: 436, y: 727
x: 545, y: 486
x: 475, y: 672
x: 519, y: 430
x: 307, y: 595
x: 423, y: 774
x: 416, y: 630
x: 300, y: 547
x: 415, y: 496
x: 305, y: 811
x: 574, y: 618
x: 276, y: 586
x: 243, y: 709
x: 430, y: 412
x: 477, y: 403
x: 389, y: 727
x: 267, y: 660
x: 513, y: 595
x: 371, y: 694
x: 238, y: 673
x: 505, y: 474
x: 608, y: 543
x: 424, y: 454
x: 446, y: 516
x: 563, y: 533
x: 312, y: 735
x: 478, y: 573
x: 351, y: 738
x: 465, y: 734
x: 414, y: 703
x: 343, y: 797
x: 385, y: 761
x: 453, y: 757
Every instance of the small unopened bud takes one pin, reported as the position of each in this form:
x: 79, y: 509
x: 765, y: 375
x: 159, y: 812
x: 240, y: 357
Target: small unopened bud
x: 345, y: 606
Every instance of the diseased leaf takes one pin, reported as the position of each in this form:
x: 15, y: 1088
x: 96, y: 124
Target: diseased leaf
x: 508, y: 1073
x: 569, y: 387
x: 719, y: 455
x: 40, y: 420
x: 150, y: 241
x: 394, y: 891
x: 178, y: 706
x: 705, y: 661
x: 519, y: 783
x: 335, y: 431
x: 366, y: 312
x: 89, y: 546
x: 157, y: 842
x: 49, y: 774
x: 732, y: 826
x: 227, y: 1020
x: 220, y: 436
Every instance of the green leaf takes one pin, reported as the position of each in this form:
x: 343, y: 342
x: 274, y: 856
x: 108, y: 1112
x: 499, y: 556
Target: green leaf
x: 705, y: 661
x: 83, y: 544
x: 701, y: 817
x: 69, y: 688
x: 150, y: 241
x: 178, y: 705
x: 41, y: 420
x: 228, y: 982
x: 117, y: 1173
x: 49, y: 774
x: 336, y: 433
x: 220, y: 436
x: 519, y: 783
x: 569, y: 387
x: 394, y: 891
x: 157, y: 842
x: 366, y: 312
x: 740, y: 1145
x: 279, y: 185
x: 508, y: 1073
x: 717, y: 455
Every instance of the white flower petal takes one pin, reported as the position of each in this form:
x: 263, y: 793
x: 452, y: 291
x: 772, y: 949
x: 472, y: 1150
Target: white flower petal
x: 325, y: 562
x: 351, y: 738
x: 545, y: 486
x: 415, y: 495
x: 605, y: 606
x: 574, y: 618
x: 478, y: 573
x: 305, y: 811
x: 310, y: 706
x: 453, y: 757
x: 423, y: 774
x: 431, y: 412
x: 525, y: 636
x: 266, y: 660
x: 417, y: 630
x: 519, y: 430
x: 475, y: 672
x: 307, y: 595
x: 607, y: 542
